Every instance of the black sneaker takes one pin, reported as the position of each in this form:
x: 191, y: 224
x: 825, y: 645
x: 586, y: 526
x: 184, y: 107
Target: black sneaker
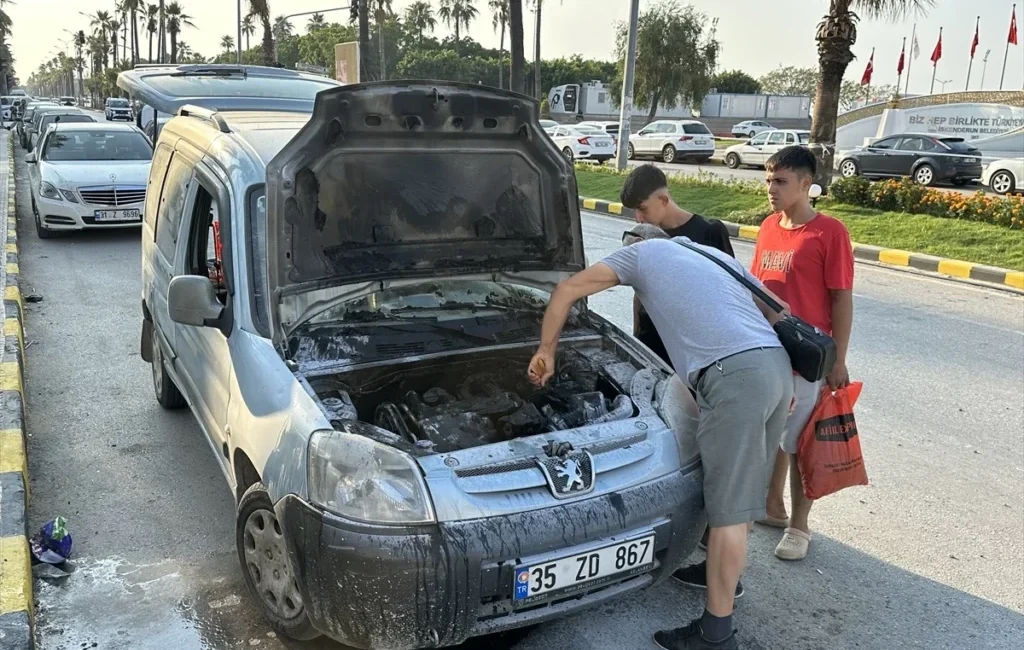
x: 689, y: 638
x: 696, y: 576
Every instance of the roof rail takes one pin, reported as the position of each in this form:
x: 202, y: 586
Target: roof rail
x: 191, y: 110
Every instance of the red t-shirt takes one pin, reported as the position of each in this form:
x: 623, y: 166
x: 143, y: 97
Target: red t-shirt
x: 803, y: 265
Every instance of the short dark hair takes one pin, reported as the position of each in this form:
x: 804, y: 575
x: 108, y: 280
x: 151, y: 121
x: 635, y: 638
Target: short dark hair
x: 797, y: 158
x: 641, y: 183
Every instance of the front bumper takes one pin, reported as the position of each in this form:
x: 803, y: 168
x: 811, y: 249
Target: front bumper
x: 64, y: 215
x: 127, y: 117
x: 397, y: 589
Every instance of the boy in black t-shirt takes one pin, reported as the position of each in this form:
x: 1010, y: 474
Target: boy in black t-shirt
x: 646, y: 191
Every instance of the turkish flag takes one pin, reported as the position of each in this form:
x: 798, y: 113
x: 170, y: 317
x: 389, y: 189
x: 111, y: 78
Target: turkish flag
x: 937, y: 52
x: 899, y: 66
x: 866, y: 78
x: 974, y: 43
x: 1012, y: 38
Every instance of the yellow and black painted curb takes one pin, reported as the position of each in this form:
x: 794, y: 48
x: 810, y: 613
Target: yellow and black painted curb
x: 16, y: 615
x: 888, y: 256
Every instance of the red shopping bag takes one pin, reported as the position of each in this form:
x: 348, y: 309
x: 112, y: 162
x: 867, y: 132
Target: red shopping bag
x: 828, y: 452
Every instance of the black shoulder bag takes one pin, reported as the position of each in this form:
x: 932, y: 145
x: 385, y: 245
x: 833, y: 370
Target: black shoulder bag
x: 811, y: 351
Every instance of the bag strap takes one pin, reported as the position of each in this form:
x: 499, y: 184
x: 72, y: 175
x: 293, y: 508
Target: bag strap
x: 754, y: 289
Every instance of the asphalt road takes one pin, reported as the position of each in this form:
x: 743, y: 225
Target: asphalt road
x: 929, y: 556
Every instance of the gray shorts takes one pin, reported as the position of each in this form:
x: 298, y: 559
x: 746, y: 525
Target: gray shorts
x: 744, y: 402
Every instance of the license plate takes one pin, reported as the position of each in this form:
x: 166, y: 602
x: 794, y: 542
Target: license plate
x: 117, y: 215
x: 547, y: 579
x: 700, y: 141
x: 603, y: 144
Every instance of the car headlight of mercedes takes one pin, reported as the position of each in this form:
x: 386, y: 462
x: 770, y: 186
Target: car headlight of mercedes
x: 48, y: 191
x: 361, y: 479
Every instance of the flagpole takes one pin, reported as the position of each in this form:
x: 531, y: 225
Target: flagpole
x: 910, y: 61
x: 935, y: 68
x: 967, y: 86
x: 1007, y: 53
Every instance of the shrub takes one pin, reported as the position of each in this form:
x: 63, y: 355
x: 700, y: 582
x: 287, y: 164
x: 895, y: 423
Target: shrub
x: 852, y: 190
x: 752, y: 217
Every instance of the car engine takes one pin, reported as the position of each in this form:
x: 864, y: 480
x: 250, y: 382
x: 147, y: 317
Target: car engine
x: 451, y: 406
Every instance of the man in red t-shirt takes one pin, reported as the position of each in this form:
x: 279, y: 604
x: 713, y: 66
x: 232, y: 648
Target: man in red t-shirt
x: 805, y: 258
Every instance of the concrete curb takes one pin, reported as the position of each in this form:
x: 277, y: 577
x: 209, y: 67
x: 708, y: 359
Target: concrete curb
x: 888, y: 256
x: 16, y: 613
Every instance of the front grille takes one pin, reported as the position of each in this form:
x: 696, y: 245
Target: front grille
x: 115, y: 196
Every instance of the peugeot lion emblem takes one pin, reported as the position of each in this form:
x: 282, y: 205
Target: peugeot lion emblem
x: 113, y: 177
x: 568, y: 474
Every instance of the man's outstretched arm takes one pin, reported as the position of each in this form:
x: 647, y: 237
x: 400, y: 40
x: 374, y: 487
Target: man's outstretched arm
x: 587, y: 282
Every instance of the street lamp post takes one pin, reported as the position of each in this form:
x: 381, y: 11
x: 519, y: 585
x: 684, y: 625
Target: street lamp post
x: 239, y: 32
x: 626, y: 109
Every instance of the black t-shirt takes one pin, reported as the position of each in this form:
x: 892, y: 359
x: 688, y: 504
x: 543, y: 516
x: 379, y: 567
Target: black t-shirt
x: 709, y: 232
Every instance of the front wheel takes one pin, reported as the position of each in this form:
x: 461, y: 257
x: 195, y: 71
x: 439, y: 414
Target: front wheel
x: 668, y: 154
x: 167, y: 394
x: 925, y: 175
x: 629, y: 152
x: 1002, y: 182
x: 732, y: 161
x: 567, y: 152
x: 263, y: 554
x: 848, y: 169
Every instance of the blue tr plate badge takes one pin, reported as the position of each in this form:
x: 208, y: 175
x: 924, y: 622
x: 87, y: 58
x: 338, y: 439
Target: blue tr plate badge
x: 522, y: 583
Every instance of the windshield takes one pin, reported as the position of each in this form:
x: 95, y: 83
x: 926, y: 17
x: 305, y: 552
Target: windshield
x: 96, y: 145
x: 117, y: 103
x: 435, y: 300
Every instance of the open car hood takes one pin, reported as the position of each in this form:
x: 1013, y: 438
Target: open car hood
x: 417, y: 179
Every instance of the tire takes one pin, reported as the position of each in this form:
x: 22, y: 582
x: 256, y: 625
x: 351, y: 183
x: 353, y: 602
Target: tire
x: 263, y: 557
x: 629, y: 152
x: 752, y: 134
x: 668, y: 154
x: 924, y: 175
x: 567, y: 152
x: 732, y: 161
x: 848, y: 168
x: 167, y: 394
x: 41, y: 231
x: 1002, y: 182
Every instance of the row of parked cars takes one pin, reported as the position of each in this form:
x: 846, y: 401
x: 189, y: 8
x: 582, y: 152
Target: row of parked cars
x: 666, y: 140
x: 350, y: 320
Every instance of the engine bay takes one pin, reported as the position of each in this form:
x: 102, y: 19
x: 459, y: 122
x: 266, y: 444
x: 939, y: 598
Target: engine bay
x: 472, y: 400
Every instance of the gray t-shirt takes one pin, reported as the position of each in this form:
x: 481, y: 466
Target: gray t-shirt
x: 702, y: 313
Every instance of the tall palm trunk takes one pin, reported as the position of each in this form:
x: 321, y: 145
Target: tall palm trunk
x: 536, y: 53
x: 160, y: 41
x: 836, y: 35
x: 150, y: 47
x: 124, y: 36
x: 380, y: 42
x: 501, y: 53
x: 364, y: 43
x: 136, y: 55
x: 268, y: 40
x: 174, y: 47
x: 515, y: 21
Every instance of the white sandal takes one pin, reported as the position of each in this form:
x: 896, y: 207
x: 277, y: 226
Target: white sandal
x: 794, y: 545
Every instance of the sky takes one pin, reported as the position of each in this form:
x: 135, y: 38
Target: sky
x: 756, y: 35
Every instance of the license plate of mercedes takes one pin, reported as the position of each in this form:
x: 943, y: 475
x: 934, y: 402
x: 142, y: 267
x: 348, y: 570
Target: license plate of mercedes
x: 544, y: 580
x: 116, y: 215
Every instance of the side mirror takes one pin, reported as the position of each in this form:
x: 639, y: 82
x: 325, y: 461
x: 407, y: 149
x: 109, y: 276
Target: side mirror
x: 30, y: 158
x: 192, y: 300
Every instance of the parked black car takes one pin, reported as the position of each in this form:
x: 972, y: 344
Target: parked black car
x: 926, y: 158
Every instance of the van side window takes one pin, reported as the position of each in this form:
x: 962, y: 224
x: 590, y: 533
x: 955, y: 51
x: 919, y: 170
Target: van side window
x: 168, y: 219
x: 206, y: 242
x: 157, y: 171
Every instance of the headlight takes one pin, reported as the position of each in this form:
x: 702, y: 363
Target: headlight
x: 358, y: 478
x: 48, y: 191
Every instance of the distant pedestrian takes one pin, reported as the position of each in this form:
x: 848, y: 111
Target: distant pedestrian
x: 722, y: 345
x: 806, y: 258
x: 646, y: 192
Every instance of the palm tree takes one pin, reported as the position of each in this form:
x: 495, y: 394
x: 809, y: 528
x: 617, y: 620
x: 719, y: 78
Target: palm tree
x: 5, y: 52
x: 248, y: 28
x: 499, y: 19
x: 185, y: 52
x: 419, y: 18
x: 836, y: 34
x: 381, y: 13
x: 261, y: 9
x: 515, y: 24
x: 228, y: 43
x: 133, y: 7
x: 282, y: 28
x: 80, y: 42
x: 151, y: 26
x: 112, y: 28
x: 456, y: 14
x: 316, y: 22
x: 161, y: 41
x: 177, y: 21
x: 122, y: 8
x: 100, y: 23
x: 364, y: 40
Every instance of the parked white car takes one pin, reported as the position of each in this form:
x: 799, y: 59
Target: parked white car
x: 611, y: 128
x: 762, y: 146
x: 1004, y: 176
x: 583, y: 143
x: 750, y: 128
x: 673, y: 141
x: 548, y: 124
x: 90, y: 175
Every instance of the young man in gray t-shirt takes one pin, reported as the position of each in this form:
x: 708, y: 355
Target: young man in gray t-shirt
x: 723, y: 346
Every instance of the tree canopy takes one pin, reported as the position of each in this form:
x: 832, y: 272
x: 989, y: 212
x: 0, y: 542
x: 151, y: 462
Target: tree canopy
x: 736, y: 81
